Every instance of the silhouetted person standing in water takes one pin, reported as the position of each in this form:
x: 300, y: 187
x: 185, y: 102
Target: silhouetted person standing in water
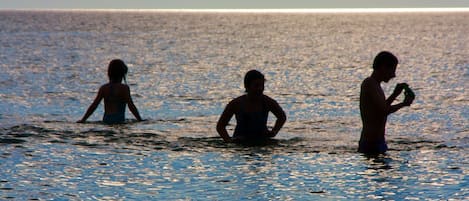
x: 251, y: 111
x: 116, y: 96
x: 375, y: 108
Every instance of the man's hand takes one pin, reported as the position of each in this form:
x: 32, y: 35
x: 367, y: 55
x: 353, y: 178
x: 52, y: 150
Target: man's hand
x: 399, y: 88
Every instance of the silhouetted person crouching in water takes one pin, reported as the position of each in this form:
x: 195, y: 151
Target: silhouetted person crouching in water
x: 116, y: 96
x: 251, y: 111
x: 375, y: 108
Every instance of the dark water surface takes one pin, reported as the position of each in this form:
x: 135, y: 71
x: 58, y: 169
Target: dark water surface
x: 184, y: 68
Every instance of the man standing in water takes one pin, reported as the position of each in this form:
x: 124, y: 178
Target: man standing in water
x: 375, y: 108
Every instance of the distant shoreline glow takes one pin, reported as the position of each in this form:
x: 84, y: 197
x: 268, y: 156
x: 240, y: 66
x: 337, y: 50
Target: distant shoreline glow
x: 321, y: 10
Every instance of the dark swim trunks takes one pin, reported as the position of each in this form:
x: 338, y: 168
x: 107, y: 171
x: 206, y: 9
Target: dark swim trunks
x: 372, y: 147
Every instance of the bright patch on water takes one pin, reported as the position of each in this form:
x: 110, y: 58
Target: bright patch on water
x: 184, y: 68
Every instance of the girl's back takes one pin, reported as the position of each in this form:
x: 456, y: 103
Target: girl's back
x: 115, y: 97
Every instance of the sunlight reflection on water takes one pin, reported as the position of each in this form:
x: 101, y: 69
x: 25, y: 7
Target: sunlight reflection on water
x: 184, y: 67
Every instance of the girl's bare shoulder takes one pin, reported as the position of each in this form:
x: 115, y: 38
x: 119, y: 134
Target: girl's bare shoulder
x: 236, y: 101
x: 269, y: 100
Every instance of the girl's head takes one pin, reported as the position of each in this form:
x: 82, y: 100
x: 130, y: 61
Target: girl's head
x: 117, y: 70
x: 254, y: 82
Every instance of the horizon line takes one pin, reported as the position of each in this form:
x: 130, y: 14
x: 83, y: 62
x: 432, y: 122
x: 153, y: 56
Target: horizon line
x: 286, y: 10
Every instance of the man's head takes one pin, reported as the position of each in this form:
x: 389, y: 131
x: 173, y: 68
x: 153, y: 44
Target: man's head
x: 254, y: 82
x: 385, y: 63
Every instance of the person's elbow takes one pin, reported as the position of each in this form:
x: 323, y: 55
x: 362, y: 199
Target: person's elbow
x: 220, y: 127
x: 282, y: 117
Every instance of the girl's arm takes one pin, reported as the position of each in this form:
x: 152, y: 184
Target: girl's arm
x: 93, y: 106
x: 131, y: 105
x: 275, y: 108
x: 224, y: 120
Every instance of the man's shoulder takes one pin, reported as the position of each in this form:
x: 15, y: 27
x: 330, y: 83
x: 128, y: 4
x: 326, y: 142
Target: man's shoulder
x: 369, y: 82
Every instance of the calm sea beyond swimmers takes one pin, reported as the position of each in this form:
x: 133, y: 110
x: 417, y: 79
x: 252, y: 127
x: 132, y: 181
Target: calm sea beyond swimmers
x: 375, y: 108
x: 116, y: 96
x: 251, y: 111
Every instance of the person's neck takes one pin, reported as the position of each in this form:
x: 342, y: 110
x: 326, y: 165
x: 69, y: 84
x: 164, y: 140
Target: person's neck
x: 377, y: 77
x: 253, y: 98
x: 115, y: 81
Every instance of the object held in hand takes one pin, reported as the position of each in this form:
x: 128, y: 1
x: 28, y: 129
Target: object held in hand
x: 409, y: 96
x: 408, y: 92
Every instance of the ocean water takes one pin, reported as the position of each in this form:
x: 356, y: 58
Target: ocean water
x: 184, y: 67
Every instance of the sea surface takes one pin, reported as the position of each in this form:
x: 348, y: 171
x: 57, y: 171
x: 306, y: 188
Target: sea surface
x: 184, y: 67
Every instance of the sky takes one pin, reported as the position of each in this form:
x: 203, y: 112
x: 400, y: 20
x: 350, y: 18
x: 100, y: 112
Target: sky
x: 228, y: 4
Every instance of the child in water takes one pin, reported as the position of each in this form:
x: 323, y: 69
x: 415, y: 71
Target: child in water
x: 251, y: 111
x: 375, y: 107
x: 115, y: 94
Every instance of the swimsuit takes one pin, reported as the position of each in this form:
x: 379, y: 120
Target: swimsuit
x: 119, y: 116
x: 116, y: 118
x: 250, y: 126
